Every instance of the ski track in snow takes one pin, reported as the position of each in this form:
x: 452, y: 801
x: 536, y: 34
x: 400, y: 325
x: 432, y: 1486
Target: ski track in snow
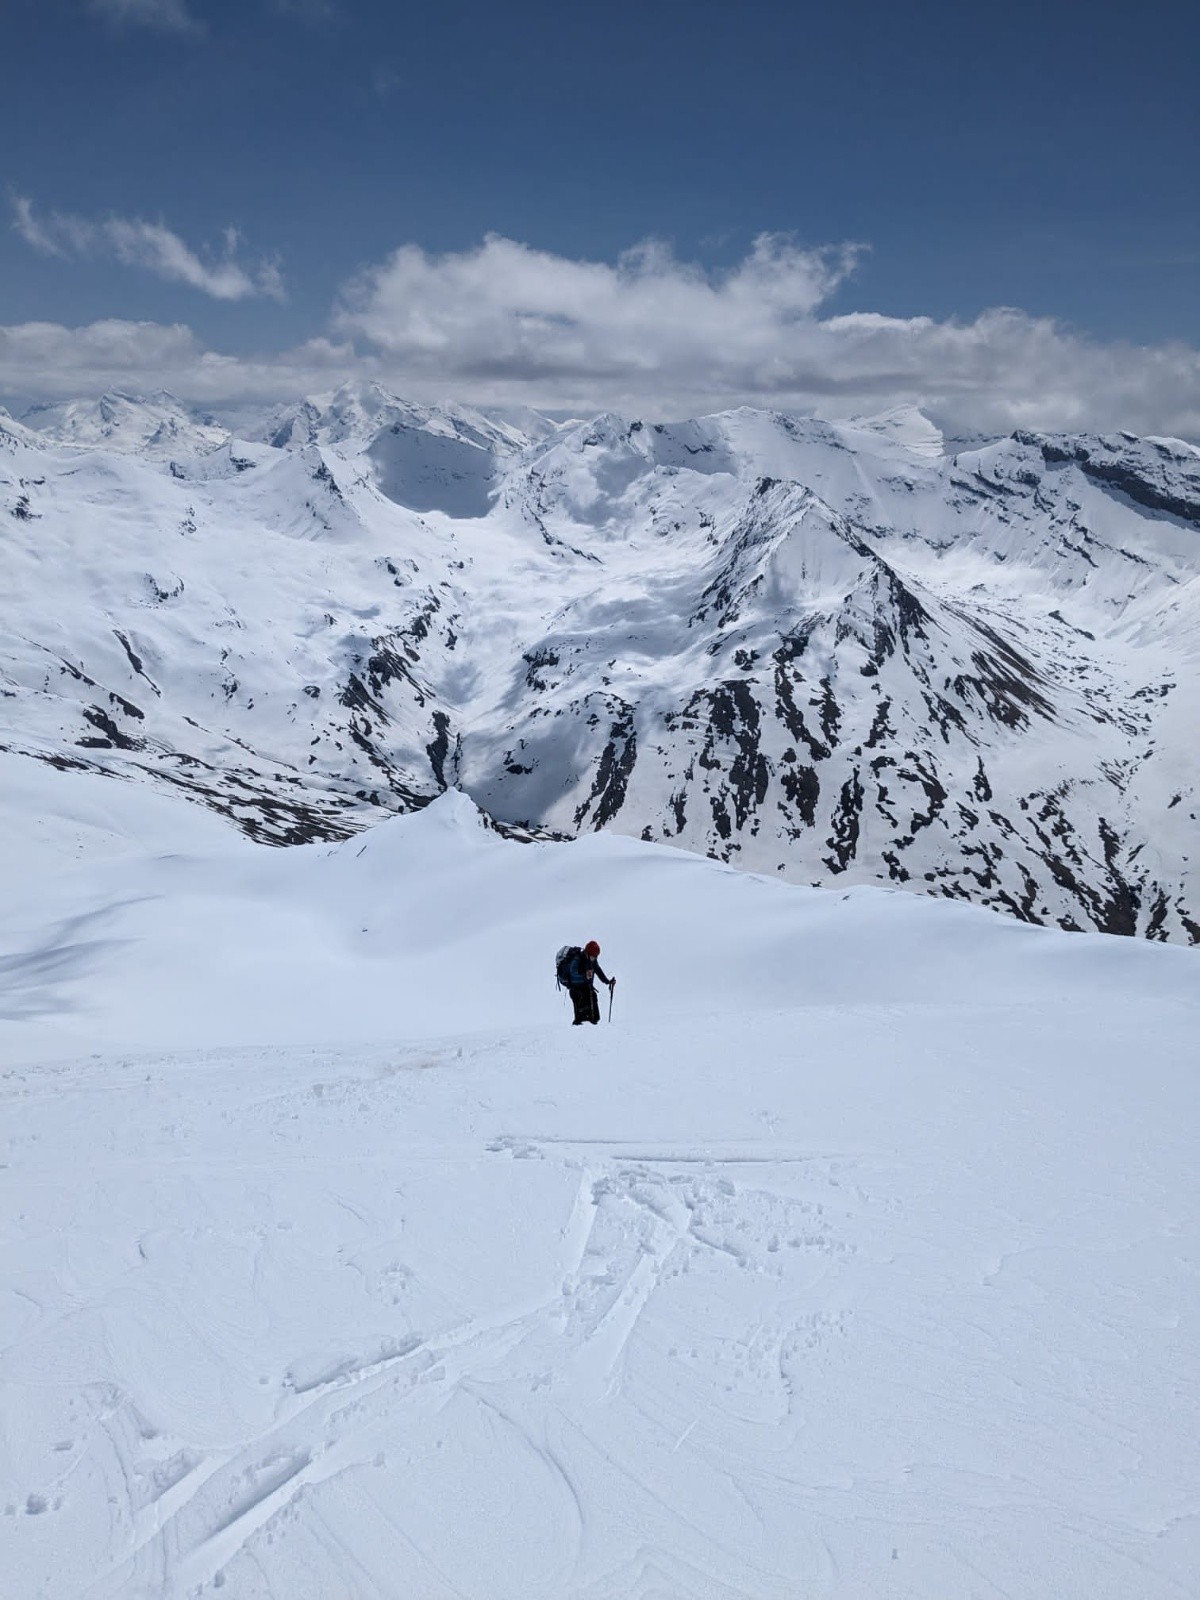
x: 856, y: 1258
x: 298, y: 1323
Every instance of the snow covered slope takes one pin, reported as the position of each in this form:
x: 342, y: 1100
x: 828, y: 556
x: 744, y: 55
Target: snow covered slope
x: 835, y: 652
x: 856, y: 1257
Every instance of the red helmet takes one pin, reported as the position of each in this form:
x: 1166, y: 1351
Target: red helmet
x: 592, y: 949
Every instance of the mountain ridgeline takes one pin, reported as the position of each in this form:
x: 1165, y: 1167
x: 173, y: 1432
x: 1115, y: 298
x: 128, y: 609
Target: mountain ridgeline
x: 833, y: 652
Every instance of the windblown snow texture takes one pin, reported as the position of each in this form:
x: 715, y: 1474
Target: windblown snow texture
x: 857, y: 1258
x: 835, y: 652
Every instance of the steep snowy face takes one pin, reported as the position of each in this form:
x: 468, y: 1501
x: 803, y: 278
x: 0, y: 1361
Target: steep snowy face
x: 970, y: 675
x: 836, y: 652
x: 14, y: 433
x: 222, y: 625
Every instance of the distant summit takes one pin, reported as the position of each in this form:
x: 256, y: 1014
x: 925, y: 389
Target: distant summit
x: 905, y: 425
x: 356, y: 413
x: 157, y: 426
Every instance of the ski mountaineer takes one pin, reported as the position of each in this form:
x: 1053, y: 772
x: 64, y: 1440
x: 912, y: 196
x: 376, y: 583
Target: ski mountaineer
x: 582, y: 971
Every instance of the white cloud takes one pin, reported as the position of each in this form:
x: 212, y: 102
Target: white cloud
x: 168, y: 16
x: 648, y: 336
x: 45, y: 360
x: 652, y: 334
x: 31, y: 230
x: 151, y: 246
x: 506, y: 307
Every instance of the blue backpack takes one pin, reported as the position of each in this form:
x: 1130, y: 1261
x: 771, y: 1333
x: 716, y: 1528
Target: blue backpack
x: 562, y: 964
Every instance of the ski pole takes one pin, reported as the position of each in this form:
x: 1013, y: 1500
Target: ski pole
x: 611, y: 987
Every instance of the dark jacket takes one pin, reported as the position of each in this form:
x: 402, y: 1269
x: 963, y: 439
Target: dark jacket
x: 582, y: 972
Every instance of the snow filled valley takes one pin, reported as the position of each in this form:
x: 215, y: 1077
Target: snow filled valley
x: 856, y: 1258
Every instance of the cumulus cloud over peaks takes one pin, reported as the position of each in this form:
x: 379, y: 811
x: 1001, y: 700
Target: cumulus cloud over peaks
x: 647, y: 336
x: 507, y: 309
x: 505, y: 322
x: 149, y: 245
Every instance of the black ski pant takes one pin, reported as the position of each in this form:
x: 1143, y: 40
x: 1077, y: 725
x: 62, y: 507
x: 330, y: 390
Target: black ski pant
x: 586, y: 1002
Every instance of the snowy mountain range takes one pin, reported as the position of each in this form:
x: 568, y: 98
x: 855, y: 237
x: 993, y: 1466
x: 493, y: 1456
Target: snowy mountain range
x: 835, y: 652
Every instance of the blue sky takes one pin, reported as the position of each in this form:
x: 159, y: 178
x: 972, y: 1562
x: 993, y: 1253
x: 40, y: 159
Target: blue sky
x: 1039, y: 157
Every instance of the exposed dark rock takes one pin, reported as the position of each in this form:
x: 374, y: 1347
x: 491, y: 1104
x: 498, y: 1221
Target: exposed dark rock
x: 802, y: 788
x: 613, y: 772
x: 843, y: 843
x: 440, y: 747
